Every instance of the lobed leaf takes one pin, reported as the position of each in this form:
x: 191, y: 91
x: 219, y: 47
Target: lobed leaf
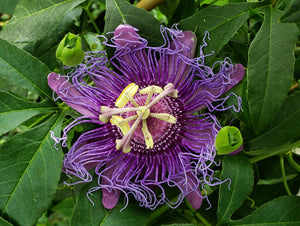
x: 282, y: 128
x: 270, y: 68
x: 241, y: 176
x: 281, y: 211
x: 22, y: 69
x: 293, y: 13
x: 222, y: 22
x: 8, y: 6
x: 15, y: 110
x: 4, y: 222
x: 87, y: 213
x: 184, y: 9
x: 29, y: 172
x: 36, y: 24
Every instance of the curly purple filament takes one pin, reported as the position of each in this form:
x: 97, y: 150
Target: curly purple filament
x: 182, y: 152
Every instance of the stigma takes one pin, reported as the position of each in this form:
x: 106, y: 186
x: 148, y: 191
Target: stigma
x: 137, y: 111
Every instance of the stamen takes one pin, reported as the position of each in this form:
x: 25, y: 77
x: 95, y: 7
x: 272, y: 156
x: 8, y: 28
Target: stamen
x: 147, y: 135
x: 150, y: 90
x: 168, y: 91
x: 107, y: 112
x: 164, y: 116
x: 128, y: 119
x: 150, y: 94
x: 130, y: 90
x: 174, y: 92
x: 119, y: 122
x: 130, y: 98
x: 124, y: 143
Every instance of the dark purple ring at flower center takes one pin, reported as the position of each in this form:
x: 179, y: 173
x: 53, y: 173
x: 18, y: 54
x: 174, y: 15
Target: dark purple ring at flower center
x: 143, y: 119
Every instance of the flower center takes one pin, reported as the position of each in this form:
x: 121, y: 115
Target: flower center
x: 136, y: 116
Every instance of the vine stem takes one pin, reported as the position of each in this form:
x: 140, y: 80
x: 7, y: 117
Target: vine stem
x: 283, y: 175
x: 272, y: 151
x: 86, y: 9
x: 148, y: 4
x: 292, y: 162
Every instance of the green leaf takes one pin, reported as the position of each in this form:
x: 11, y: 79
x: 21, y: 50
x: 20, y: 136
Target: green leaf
x: 85, y: 213
x: 184, y: 9
x: 293, y: 13
x: 282, y: 128
x: 36, y: 25
x: 14, y: 110
x: 119, y: 12
x: 270, y: 68
x: 281, y: 211
x: 8, y: 6
x: 222, y: 22
x: 22, y: 69
x: 4, y: 222
x: 239, y: 170
x: 180, y: 224
x: 29, y: 172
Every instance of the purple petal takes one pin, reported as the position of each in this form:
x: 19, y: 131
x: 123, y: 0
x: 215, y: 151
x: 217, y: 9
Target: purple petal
x: 236, y: 76
x: 210, y: 89
x: 175, y: 65
x: 195, y: 199
x: 188, y: 42
x: 191, y: 188
x: 126, y: 36
x: 58, y: 83
x: 110, y: 197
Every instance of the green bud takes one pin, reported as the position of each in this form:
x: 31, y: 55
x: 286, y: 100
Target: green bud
x: 69, y: 50
x: 228, y: 140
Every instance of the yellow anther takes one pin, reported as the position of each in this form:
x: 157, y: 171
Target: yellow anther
x: 118, y: 121
x: 130, y: 90
x: 147, y: 135
x: 130, y: 118
x: 119, y: 146
x: 104, y: 117
x: 144, y: 111
x: 151, y: 89
x: 104, y: 109
x: 174, y: 92
x: 164, y: 116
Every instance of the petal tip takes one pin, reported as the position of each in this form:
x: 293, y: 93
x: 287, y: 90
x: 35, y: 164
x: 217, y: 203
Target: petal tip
x: 238, y: 74
x: 194, y: 199
x: 110, y: 199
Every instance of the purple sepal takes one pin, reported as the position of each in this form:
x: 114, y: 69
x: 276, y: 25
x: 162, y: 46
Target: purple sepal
x: 241, y: 148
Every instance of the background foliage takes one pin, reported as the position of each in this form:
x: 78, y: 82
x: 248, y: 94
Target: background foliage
x: 262, y: 35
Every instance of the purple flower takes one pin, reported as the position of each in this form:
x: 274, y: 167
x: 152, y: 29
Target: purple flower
x: 149, y: 133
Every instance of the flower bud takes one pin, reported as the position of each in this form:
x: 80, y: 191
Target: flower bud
x: 69, y: 50
x: 229, y: 141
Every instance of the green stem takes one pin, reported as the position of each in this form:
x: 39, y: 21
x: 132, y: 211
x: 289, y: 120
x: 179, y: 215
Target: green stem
x: 202, y: 219
x: 292, y: 162
x: 198, y: 215
x: 38, y: 121
x: 269, y: 152
x: 156, y: 213
x: 61, y: 68
x: 86, y: 9
x: 73, y: 196
x: 283, y: 176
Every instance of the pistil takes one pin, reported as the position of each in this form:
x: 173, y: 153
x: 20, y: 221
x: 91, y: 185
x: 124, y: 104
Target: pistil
x: 142, y: 113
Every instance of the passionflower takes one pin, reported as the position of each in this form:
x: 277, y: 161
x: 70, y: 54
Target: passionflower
x: 149, y: 134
